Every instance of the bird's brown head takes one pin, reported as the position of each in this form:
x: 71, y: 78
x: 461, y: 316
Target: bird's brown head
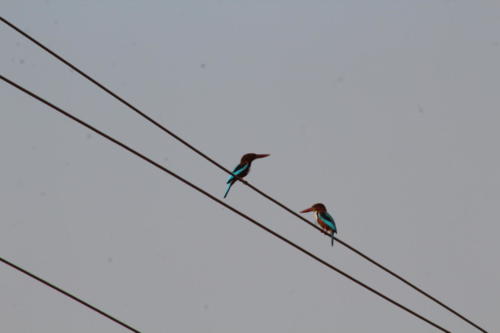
x: 319, y: 207
x: 248, y: 158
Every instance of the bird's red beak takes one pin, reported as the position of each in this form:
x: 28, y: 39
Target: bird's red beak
x: 310, y: 209
x: 261, y: 155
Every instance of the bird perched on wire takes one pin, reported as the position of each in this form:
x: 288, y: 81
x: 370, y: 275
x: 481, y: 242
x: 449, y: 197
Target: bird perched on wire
x: 324, y: 219
x: 242, y: 169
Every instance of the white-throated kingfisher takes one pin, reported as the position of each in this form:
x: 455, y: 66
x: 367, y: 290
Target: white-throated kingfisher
x: 324, y: 219
x: 242, y: 169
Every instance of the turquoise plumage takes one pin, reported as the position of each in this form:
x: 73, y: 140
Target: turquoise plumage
x: 238, y: 171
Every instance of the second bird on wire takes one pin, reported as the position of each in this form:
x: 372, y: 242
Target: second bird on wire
x: 324, y: 219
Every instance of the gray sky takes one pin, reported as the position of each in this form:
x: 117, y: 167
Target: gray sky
x: 386, y: 111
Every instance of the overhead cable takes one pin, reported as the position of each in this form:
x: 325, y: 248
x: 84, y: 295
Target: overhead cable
x: 246, y: 217
x: 68, y: 294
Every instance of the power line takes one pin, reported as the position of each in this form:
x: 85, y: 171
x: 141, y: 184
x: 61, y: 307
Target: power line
x: 275, y: 201
x: 199, y: 189
x: 73, y: 297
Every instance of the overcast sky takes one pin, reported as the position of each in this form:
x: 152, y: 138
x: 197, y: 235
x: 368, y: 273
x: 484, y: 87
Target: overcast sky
x: 386, y: 111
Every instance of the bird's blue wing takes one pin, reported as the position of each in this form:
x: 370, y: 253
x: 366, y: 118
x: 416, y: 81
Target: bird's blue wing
x: 237, y: 171
x: 328, y: 220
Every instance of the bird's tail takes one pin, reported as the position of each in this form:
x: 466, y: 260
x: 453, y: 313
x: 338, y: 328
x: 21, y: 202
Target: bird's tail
x: 228, y: 188
x: 333, y: 233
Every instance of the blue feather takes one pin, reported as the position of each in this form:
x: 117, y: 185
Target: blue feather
x: 237, y: 171
x: 228, y: 188
x: 328, y: 220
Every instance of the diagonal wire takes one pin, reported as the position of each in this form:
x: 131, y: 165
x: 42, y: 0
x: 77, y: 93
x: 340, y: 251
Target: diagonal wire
x: 275, y: 201
x: 73, y: 297
x: 202, y: 191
